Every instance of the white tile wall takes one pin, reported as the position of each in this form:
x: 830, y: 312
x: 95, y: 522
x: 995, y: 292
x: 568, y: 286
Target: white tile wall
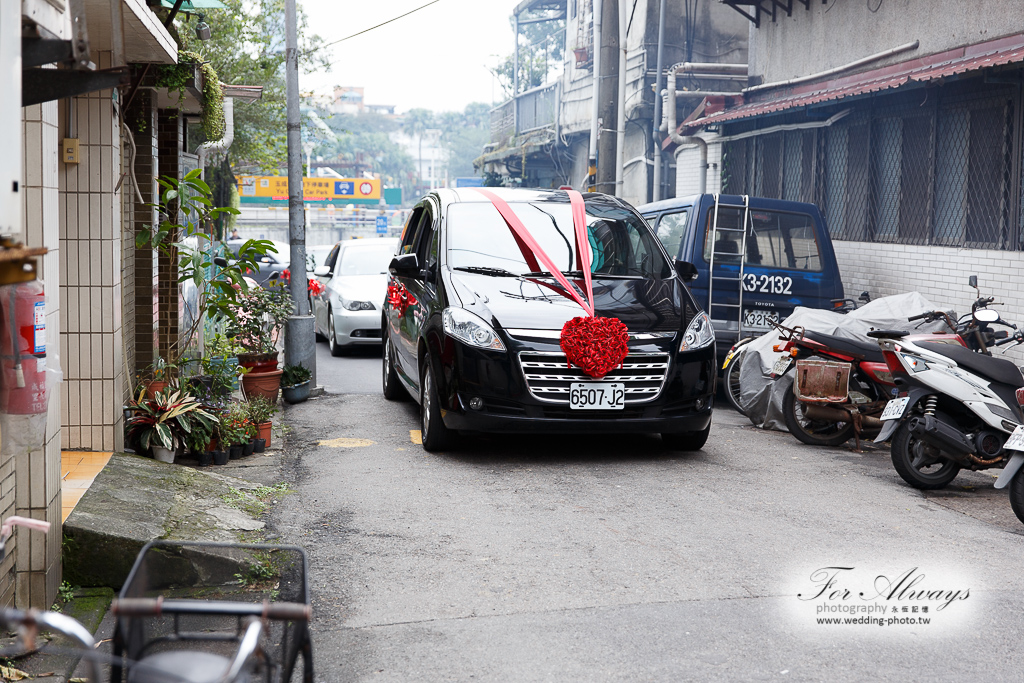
x: 37, y: 473
x: 91, y: 240
x: 688, y: 167
x: 939, y: 273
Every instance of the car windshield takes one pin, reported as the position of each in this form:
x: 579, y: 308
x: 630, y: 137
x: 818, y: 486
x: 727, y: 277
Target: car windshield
x: 621, y: 244
x: 365, y: 260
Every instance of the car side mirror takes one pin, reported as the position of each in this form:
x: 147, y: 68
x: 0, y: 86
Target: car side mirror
x: 686, y: 271
x: 322, y: 271
x: 405, y: 265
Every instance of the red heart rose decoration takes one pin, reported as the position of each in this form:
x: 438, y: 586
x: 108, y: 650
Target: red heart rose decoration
x: 595, y: 345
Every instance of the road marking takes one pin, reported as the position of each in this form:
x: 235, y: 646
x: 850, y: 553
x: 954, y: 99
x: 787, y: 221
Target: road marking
x: 416, y: 437
x: 346, y: 442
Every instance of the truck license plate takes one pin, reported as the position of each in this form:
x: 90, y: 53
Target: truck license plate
x: 757, y: 318
x: 894, y: 408
x: 597, y: 395
x: 1016, y: 440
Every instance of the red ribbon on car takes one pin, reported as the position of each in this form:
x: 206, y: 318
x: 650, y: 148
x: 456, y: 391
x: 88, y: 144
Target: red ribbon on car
x: 594, y: 344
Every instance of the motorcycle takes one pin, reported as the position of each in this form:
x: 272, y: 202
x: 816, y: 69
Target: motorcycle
x: 957, y: 406
x: 840, y: 388
x: 1011, y: 475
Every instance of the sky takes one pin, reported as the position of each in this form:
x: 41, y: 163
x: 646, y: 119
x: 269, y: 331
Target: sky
x: 436, y: 58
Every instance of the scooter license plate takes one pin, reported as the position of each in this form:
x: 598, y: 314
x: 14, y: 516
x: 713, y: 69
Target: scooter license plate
x: 894, y: 408
x: 781, y: 365
x: 1016, y: 440
x: 597, y: 396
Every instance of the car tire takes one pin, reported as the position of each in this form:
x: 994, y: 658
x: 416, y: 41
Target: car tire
x: 391, y: 385
x: 435, y: 436
x: 828, y: 435
x: 320, y: 337
x: 910, y: 462
x: 332, y: 339
x: 686, y: 441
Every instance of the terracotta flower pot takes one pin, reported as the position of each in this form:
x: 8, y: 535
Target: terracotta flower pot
x: 155, y: 386
x: 265, y: 384
x: 258, y: 362
x: 264, y: 431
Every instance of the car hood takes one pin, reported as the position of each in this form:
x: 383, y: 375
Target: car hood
x: 539, y: 304
x: 361, y: 287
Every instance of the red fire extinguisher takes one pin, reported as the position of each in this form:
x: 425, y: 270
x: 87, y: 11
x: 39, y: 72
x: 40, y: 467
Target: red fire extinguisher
x: 23, y: 349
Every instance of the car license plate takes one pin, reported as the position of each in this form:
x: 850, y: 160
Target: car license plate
x: 597, y: 395
x: 1016, y: 440
x: 758, y: 318
x: 894, y: 408
x: 781, y: 365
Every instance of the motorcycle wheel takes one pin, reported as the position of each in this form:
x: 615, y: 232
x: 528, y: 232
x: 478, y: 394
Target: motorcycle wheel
x: 731, y: 382
x: 1017, y: 496
x: 810, y: 432
x: 921, y: 466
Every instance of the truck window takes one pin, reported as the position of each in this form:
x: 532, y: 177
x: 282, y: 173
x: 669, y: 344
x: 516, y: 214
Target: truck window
x: 672, y: 229
x: 775, y: 239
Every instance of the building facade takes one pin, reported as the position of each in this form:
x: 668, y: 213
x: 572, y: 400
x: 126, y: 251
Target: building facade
x: 903, y: 122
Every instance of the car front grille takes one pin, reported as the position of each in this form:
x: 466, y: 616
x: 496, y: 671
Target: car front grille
x: 549, y: 377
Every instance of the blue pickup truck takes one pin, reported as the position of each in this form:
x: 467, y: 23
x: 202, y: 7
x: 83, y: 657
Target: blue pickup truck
x: 757, y: 259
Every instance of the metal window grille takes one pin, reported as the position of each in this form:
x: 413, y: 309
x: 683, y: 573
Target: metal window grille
x: 913, y: 168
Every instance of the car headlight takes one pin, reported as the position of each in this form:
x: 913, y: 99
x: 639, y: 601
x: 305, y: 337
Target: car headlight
x: 355, y: 305
x: 470, y: 328
x: 699, y: 333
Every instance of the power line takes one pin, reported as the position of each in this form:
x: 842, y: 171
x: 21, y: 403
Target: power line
x: 341, y: 40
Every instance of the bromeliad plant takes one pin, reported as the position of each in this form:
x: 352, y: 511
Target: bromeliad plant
x: 170, y: 418
x: 294, y: 375
x: 186, y: 208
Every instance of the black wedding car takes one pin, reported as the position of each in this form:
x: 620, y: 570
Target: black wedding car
x: 471, y: 331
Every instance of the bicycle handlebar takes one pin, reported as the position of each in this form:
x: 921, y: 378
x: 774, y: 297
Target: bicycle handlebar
x: 151, y: 607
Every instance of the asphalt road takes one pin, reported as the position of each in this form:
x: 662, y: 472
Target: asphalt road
x: 521, y: 558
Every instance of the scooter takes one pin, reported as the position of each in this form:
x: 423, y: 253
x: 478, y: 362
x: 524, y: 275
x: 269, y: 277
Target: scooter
x: 956, y: 409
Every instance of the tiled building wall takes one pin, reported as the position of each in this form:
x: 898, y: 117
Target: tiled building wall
x: 92, y: 345
x: 36, y: 481
x: 939, y: 273
x: 688, y: 168
x: 170, y: 135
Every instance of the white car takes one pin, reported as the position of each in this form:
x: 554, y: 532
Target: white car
x: 355, y: 279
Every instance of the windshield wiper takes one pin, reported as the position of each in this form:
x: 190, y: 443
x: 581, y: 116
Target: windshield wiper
x: 483, y: 270
x: 544, y: 273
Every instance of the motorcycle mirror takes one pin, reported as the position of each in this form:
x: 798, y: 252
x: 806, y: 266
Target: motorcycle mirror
x: 985, y: 315
x: 972, y: 281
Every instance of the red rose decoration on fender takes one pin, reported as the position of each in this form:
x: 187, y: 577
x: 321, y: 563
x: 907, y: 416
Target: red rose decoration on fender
x: 595, y: 345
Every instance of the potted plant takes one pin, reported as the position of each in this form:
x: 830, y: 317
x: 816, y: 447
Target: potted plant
x: 163, y: 422
x: 220, y: 451
x: 234, y: 430
x: 260, y: 411
x: 160, y: 374
x: 199, y: 440
x: 256, y: 325
x: 295, y: 383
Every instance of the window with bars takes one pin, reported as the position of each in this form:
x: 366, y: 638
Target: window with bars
x: 933, y: 172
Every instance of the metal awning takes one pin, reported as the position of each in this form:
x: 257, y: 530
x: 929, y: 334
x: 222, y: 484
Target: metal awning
x: 194, y: 5
x: 999, y: 52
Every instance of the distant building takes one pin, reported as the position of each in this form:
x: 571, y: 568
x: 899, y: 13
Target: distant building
x: 430, y: 159
x: 347, y: 100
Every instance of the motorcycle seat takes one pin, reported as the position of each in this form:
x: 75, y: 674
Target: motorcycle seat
x: 869, y: 351
x: 996, y: 369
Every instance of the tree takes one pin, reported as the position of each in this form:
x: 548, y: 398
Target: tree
x: 415, y: 124
x: 540, y: 52
x: 364, y: 144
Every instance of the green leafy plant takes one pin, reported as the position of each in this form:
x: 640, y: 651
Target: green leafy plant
x: 259, y: 316
x: 168, y: 418
x: 234, y: 428
x: 260, y: 410
x: 66, y: 592
x: 294, y: 375
x: 176, y: 77
x: 186, y: 209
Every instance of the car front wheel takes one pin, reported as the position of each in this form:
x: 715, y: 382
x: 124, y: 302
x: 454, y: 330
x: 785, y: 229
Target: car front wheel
x: 434, y: 434
x: 332, y: 338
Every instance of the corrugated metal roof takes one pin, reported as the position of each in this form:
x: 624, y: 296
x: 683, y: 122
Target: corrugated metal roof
x: 971, y: 58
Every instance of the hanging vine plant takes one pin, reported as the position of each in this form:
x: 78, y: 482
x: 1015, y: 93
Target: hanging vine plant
x: 176, y: 77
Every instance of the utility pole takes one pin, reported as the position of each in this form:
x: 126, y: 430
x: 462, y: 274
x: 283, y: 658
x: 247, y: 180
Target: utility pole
x: 299, y: 341
x: 608, y: 94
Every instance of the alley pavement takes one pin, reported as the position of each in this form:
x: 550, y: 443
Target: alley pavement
x: 521, y: 558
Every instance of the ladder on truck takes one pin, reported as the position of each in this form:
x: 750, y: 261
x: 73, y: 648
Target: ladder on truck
x: 727, y: 278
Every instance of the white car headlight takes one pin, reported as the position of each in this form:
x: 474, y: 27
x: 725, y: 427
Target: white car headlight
x: 355, y: 305
x: 699, y: 333
x: 471, y: 329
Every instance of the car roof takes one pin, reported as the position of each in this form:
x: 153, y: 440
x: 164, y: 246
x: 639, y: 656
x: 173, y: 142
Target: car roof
x: 368, y: 242
x: 517, y: 194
